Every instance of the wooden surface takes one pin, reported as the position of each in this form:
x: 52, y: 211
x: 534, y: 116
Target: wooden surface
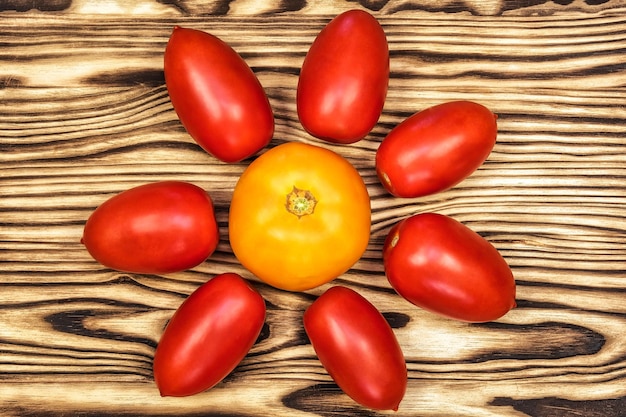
x: 84, y: 114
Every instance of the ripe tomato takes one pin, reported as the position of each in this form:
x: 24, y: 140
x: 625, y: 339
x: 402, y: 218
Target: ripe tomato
x: 435, y: 149
x: 208, y: 336
x: 343, y: 82
x: 217, y: 97
x: 154, y: 228
x: 299, y: 216
x: 443, y: 266
x: 358, y: 348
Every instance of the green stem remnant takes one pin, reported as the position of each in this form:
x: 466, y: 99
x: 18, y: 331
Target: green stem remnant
x: 300, y: 202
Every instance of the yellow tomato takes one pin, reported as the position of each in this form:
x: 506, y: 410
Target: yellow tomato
x: 299, y: 217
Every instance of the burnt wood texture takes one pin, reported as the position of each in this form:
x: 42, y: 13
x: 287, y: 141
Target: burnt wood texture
x: 85, y: 114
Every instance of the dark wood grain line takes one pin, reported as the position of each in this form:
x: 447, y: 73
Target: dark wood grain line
x: 42, y: 5
x: 552, y: 406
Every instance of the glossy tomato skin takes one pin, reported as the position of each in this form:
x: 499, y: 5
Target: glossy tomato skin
x: 435, y: 149
x: 441, y: 265
x: 344, y: 78
x: 292, y: 250
x: 358, y: 348
x: 155, y: 228
x: 217, y: 97
x: 208, y: 336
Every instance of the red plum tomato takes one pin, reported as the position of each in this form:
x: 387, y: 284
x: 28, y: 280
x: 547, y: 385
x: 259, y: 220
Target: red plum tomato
x: 436, y: 149
x: 358, y: 348
x: 344, y: 78
x: 155, y: 228
x: 442, y: 266
x: 216, y: 95
x: 208, y: 336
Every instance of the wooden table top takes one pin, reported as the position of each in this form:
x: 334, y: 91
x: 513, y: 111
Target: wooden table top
x: 85, y: 114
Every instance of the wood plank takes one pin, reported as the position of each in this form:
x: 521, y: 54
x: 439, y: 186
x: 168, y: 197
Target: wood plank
x: 84, y: 114
x: 267, y: 7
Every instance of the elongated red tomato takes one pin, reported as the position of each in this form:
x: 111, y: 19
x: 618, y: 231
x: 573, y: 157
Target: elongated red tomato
x: 435, y: 149
x: 358, y: 348
x: 217, y: 97
x: 154, y: 228
x: 208, y: 336
x: 344, y: 78
x: 441, y: 265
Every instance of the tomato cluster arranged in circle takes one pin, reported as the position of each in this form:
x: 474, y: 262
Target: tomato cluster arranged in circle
x: 300, y: 214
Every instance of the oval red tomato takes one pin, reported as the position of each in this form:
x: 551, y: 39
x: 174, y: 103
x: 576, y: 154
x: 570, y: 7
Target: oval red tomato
x: 344, y: 78
x: 435, y: 149
x: 208, y: 336
x: 217, y: 97
x: 154, y: 228
x: 358, y: 348
x: 441, y: 265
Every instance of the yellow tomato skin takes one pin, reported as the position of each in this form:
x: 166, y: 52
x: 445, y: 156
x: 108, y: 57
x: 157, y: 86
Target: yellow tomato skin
x: 293, y: 252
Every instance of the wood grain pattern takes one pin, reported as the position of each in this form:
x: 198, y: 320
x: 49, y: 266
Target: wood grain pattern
x: 84, y: 114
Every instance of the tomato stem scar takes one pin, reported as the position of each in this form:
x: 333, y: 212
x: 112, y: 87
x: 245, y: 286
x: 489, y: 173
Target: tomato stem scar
x: 386, y: 178
x: 394, y: 240
x: 300, y: 202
